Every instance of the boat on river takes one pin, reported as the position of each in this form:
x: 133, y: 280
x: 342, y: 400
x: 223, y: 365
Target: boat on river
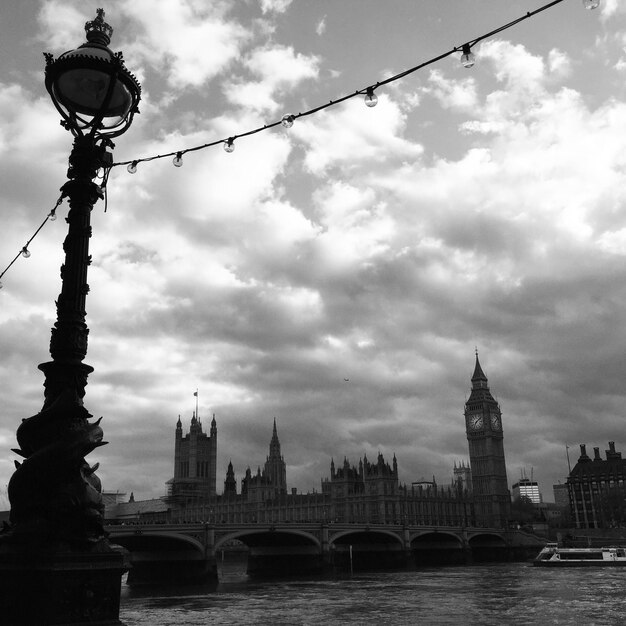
x: 554, y: 556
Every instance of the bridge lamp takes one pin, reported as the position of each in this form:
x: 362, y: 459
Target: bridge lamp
x: 56, y: 565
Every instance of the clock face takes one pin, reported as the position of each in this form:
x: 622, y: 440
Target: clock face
x: 475, y: 422
x: 496, y: 424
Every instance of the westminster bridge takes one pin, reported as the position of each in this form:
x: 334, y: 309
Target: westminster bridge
x: 189, y: 552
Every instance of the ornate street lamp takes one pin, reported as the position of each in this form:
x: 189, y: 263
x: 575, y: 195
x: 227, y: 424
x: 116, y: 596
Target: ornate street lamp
x: 56, y: 565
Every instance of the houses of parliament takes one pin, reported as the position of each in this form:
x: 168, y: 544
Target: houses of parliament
x: 366, y: 492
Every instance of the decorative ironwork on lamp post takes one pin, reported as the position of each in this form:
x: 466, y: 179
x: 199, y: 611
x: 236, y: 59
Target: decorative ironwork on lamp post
x: 57, y: 514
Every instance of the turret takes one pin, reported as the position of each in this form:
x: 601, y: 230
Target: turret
x: 195, y: 426
x: 230, y: 484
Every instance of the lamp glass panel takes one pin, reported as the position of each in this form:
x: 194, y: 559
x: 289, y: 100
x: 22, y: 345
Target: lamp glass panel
x: 84, y: 90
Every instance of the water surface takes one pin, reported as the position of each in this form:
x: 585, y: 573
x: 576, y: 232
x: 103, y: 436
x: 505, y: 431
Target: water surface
x: 493, y: 594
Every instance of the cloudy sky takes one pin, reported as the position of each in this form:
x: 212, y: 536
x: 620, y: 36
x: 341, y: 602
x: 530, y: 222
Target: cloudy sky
x: 471, y: 208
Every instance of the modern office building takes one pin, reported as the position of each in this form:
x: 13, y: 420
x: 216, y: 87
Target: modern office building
x: 528, y: 488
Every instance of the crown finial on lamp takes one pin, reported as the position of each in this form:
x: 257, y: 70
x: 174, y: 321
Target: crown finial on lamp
x: 98, y: 31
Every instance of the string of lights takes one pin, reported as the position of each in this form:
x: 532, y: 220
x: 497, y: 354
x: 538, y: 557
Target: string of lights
x: 25, y: 252
x: 371, y: 99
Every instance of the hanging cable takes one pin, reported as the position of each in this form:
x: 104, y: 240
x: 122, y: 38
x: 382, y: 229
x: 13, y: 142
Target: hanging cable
x: 25, y: 252
x: 371, y: 99
x: 467, y: 59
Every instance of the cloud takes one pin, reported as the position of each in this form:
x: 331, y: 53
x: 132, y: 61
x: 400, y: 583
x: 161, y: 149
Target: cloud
x: 320, y: 29
x: 60, y: 23
x: 191, y: 43
x: 610, y: 8
x: 459, y: 95
x: 277, y: 69
x: 470, y: 207
x: 276, y: 6
x: 559, y: 64
x: 347, y: 137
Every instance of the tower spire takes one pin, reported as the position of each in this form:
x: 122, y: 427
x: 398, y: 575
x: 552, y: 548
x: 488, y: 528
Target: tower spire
x: 275, y: 443
x: 478, y: 377
x: 275, y: 468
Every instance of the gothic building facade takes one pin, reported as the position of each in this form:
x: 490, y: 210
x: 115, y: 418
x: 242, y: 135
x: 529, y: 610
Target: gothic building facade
x: 271, y: 482
x: 485, y: 437
x: 368, y: 492
x: 462, y: 475
x: 195, y: 461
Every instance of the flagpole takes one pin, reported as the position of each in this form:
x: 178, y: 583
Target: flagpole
x: 196, y: 394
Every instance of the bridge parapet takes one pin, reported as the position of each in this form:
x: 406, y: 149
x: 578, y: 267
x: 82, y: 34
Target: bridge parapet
x: 287, y: 544
x: 214, y: 536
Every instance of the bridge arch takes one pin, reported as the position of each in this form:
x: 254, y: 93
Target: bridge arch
x: 439, y: 537
x: 340, y: 537
x: 486, y: 538
x: 488, y: 546
x: 134, y: 540
x: 164, y: 557
x: 367, y: 548
x: 430, y: 547
x: 257, y: 536
x: 277, y: 552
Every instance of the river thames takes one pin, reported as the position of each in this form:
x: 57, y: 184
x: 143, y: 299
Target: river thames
x: 485, y: 595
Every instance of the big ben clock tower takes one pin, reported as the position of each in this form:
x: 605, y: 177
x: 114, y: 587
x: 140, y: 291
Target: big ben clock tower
x: 483, y: 425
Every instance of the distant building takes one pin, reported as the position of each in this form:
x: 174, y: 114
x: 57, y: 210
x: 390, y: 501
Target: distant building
x: 112, y: 498
x: 195, y: 461
x: 117, y: 508
x: 462, y: 475
x: 368, y: 492
x: 483, y: 426
x: 596, y: 489
x: 525, y: 487
x: 561, y: 495
x: 552, y: 513
x: 270, y: 483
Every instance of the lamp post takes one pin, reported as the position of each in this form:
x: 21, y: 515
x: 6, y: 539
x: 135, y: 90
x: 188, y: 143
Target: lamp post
x: 56, y: 565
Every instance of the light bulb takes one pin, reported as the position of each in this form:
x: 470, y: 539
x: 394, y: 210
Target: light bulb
x: 591, y: 4
x: 132, y: 168
x: 229, y: 145
x: 467, y: 58
x: 53, y: 216
x: 25, y: 252
x: 178, y: 159
x: 287, y: 121
x: 371, y: 99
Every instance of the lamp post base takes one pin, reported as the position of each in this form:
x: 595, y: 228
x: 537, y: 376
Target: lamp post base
x: 71, y: 588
